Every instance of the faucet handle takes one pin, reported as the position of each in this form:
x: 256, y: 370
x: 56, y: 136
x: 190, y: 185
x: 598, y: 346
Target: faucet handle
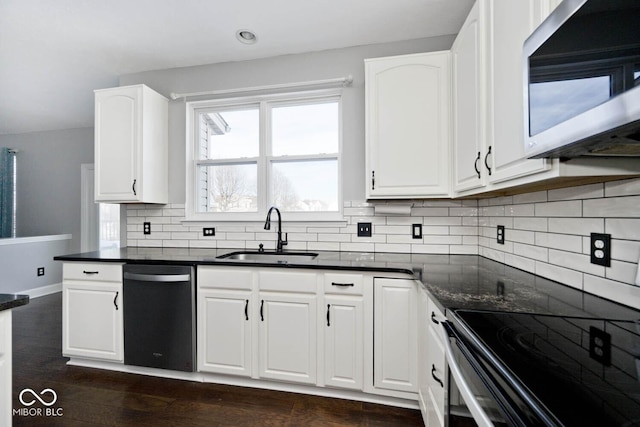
x: 260, y: 248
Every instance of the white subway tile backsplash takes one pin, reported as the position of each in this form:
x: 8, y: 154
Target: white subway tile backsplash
x: 547, y: 232
x: 623, y: 228
x: 622, y: 271
x: 564, y: 242
x: 520, y: 210
x: 613, y: 290
x: 530, y: 224
x: 577, y: 193
x: 619, y: 207
x: 530, y: 251
x: 567, y: 276
x: 625, y: 250
x: 572, y: 208
x: 627, y: 187
x: 579, y: 226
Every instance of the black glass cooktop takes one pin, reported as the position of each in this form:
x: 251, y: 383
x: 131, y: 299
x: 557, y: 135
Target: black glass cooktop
x: 585, y: 371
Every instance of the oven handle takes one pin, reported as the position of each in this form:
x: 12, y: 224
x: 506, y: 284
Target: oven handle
x: 476, y: 410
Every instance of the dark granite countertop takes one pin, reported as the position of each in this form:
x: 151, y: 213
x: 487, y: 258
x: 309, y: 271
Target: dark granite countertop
x: 9, y: 301
x: 455, y: 281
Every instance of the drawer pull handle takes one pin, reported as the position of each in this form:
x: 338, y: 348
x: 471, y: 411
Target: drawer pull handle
x: 115, y: 300
x: 262, y: 310
x: 342, y: 284
x: 433, y: 374
x: 475, y: 164
x: 433, y: 318
x: 90, y: 272
x: 328, y: 314
x: 246, y: 310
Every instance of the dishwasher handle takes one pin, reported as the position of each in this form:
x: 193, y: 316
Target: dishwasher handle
x: 160, y: 278
x: 479, y: 415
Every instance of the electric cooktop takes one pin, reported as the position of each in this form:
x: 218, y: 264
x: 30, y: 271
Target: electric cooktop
x: 586, y: 371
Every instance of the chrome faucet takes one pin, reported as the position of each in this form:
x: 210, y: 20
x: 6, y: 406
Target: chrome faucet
x: 267, y: 226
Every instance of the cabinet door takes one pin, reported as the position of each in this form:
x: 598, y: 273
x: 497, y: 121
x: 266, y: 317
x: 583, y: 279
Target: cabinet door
x: 468, y: 143
x: 343, y: 342
x: 395, y: 335
x: 117, y: 139
x: 92, y: 320
x: 407, y: 125
x: 288, y: 337
x: 224, y: 331
x: 509, y: 23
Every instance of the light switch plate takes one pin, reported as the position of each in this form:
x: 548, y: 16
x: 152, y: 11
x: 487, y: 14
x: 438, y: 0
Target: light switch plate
x: 416, y: 231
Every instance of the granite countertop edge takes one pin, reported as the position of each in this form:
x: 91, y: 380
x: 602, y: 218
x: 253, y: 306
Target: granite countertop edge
x: 9, y: 301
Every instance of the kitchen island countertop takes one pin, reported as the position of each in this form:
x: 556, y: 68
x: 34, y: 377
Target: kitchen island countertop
x: 9, y: 301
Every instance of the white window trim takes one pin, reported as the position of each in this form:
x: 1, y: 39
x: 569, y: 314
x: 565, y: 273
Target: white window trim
x: 191, y: 142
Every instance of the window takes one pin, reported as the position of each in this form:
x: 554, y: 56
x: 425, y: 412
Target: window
x: 252, y: 153
x: 109, y: 220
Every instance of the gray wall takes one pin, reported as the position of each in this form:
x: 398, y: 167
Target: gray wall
x: 283, y: 69
x: 49, y: 181
x: 19, y: 263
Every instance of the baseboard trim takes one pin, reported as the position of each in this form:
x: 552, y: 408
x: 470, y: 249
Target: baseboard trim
x: 42, y: 291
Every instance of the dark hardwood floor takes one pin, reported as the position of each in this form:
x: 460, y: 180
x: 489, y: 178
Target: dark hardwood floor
x: 92, y: 397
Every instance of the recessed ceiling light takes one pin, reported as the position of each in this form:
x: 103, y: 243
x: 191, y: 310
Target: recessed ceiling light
x: 246, y: 36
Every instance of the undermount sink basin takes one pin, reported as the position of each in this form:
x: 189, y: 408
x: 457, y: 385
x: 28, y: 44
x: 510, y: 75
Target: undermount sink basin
x: 273, y: 257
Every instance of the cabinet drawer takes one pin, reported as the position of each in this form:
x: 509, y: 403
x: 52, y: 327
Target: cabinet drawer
x: 225, y: 278
x: 338, y: 283
x: 96, y: 272
x: 287, y: 281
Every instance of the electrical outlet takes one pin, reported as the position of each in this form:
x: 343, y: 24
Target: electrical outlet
x: 601, y: 249
x: 364, y: 229
x: 208, y: 231
x: 146, y: 228
x: 416, y: 231
x: 40, y: 271
x: 600, y: 345
x: 500, y: 234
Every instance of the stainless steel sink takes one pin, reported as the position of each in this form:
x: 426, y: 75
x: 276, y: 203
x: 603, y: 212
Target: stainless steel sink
x: 270, y: 257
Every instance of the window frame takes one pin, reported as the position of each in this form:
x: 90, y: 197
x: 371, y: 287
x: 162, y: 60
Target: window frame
x: 265, y: 157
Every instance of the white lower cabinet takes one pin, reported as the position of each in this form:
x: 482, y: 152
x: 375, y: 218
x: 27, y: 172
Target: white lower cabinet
x: 341, y: 330
x: 432, y: 377
x: 395, y: 335
x: 5, y: 368
x: 288, y: 337
x: 92, y: 321
x: 224, y: 328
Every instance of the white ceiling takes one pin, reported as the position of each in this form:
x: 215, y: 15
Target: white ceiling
x: 53, y: 53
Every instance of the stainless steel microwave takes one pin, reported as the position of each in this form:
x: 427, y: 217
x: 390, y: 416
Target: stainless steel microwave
x: 582, y: 81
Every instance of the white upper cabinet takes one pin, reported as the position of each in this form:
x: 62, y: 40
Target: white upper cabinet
x: 468, y: 144
x: 131, y: 140
x: 488, y: 104
x: 509, y: 23
x: 407, y: 101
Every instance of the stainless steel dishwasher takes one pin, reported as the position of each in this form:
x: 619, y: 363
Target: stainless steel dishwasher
x: 159, y: 316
